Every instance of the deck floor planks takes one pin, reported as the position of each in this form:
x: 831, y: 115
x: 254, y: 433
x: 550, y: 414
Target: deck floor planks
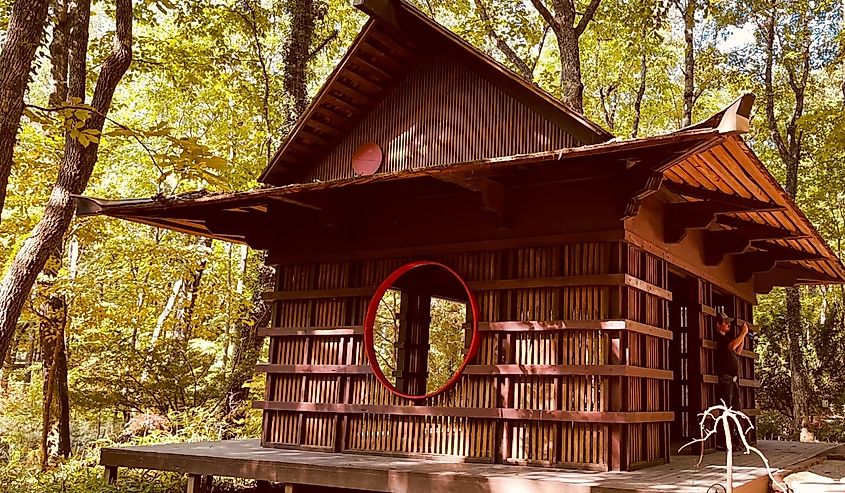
x: 247, y: 459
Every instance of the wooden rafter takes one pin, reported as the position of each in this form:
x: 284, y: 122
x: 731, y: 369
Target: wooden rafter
x: 789, y: 274
x: 683, y: 216
x: 680, y: 217
x: 718, y: 244
x: 741, y: 203
x: 746, y: 265
x: 643, y: 178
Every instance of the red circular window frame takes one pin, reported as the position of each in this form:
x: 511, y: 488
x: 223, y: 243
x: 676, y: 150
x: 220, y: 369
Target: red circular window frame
x: 369, y: 324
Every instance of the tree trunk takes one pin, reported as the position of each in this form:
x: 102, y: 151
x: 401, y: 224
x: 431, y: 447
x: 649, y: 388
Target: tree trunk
x: 166, y: 311
x: 303, y: 14
x: 193, y: 290
x: 9, y: 362
x: 75, y: 169
x: 23, y: 35
x: 54, y: 306
x: 567, y: 31
x: 638, y: 102
x: 247, y: 343
x: 788, y: 145
x: 571, y: 87
x: 47, y: 404
x: 689, y: 61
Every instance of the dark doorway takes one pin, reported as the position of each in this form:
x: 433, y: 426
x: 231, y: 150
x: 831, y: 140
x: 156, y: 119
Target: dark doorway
x: 683, y: 321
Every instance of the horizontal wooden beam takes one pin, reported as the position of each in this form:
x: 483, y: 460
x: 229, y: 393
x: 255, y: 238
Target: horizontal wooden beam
x: 313, y: 369
x: 309, y: 294
x: 743, y: 382
x: 496, y: 285
x: 310, y: 331
x: 293, y: 201
x: 552, y: 325
x: 472, y: 412
x: 482, y: 370
x: 707, y: 343
x: 564, y: 370
x: 574, y: 281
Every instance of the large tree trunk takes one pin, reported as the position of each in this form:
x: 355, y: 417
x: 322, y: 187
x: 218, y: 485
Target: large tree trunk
x: 788, y: 144
x: 571, y: 87
x: 561, y: 20
x: 689, y: 61
x: 75, y: 169
x: 54, y: 307
x: 26, y: 25
x: 247, y: 343
x: 303, y: 14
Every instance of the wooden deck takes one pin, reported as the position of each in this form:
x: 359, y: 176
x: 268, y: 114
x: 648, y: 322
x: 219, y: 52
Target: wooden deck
x: 246, y: 459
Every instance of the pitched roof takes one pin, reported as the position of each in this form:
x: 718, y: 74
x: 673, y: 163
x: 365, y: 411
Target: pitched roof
x: 699, y: 164
x: 390, y: 44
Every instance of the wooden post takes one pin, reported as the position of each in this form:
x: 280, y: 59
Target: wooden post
x: 195, y: 484
x: 111, y: 474
x: 618, y: 441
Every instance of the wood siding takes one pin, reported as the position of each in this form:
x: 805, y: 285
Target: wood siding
x: 440, y: 113
x: 573, y: 368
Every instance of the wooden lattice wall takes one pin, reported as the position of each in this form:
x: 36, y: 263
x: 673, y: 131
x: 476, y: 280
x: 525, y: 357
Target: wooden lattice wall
x: 573, y: 368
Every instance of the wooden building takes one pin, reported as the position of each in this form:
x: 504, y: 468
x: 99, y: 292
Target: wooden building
x: 593, y: 266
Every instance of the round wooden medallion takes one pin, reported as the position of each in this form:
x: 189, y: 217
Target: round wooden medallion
x: 367, y: 159
x: 372, y: 312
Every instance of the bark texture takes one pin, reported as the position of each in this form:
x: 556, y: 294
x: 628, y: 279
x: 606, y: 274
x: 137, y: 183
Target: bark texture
x: 247, y: 343
x: 76, y: 167
x: 638, y: 101
x: 788, y: 144
x: 303, y: 15
x: 688, y: 13
x: 26, y: 26
x: 54, y: 306
x: 562, y: 21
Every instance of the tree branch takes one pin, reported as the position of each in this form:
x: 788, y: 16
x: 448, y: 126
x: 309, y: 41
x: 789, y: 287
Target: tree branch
x: 768, y: 31
x: 522, y: 67
x: 544, y: 12
x: 112, y: 120
x: 587, y: 17
x: 323, y: 44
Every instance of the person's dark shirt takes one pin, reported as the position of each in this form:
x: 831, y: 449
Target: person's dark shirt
x: 726, y: 359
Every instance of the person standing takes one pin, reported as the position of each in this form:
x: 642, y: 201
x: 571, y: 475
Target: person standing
x: 727, y: 369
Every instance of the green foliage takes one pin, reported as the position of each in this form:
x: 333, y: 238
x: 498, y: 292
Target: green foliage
x: 191, y: 115
x: 445, y: 337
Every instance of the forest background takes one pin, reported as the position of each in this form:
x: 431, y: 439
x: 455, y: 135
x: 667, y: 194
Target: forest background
x: 128, y: 329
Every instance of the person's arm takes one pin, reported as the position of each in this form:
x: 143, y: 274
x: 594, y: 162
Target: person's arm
x: 737, y: 344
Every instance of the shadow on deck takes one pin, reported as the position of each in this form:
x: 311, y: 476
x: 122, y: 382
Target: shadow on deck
x: 247, y: 459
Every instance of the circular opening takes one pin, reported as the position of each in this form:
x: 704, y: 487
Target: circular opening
x: 414, y: 330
